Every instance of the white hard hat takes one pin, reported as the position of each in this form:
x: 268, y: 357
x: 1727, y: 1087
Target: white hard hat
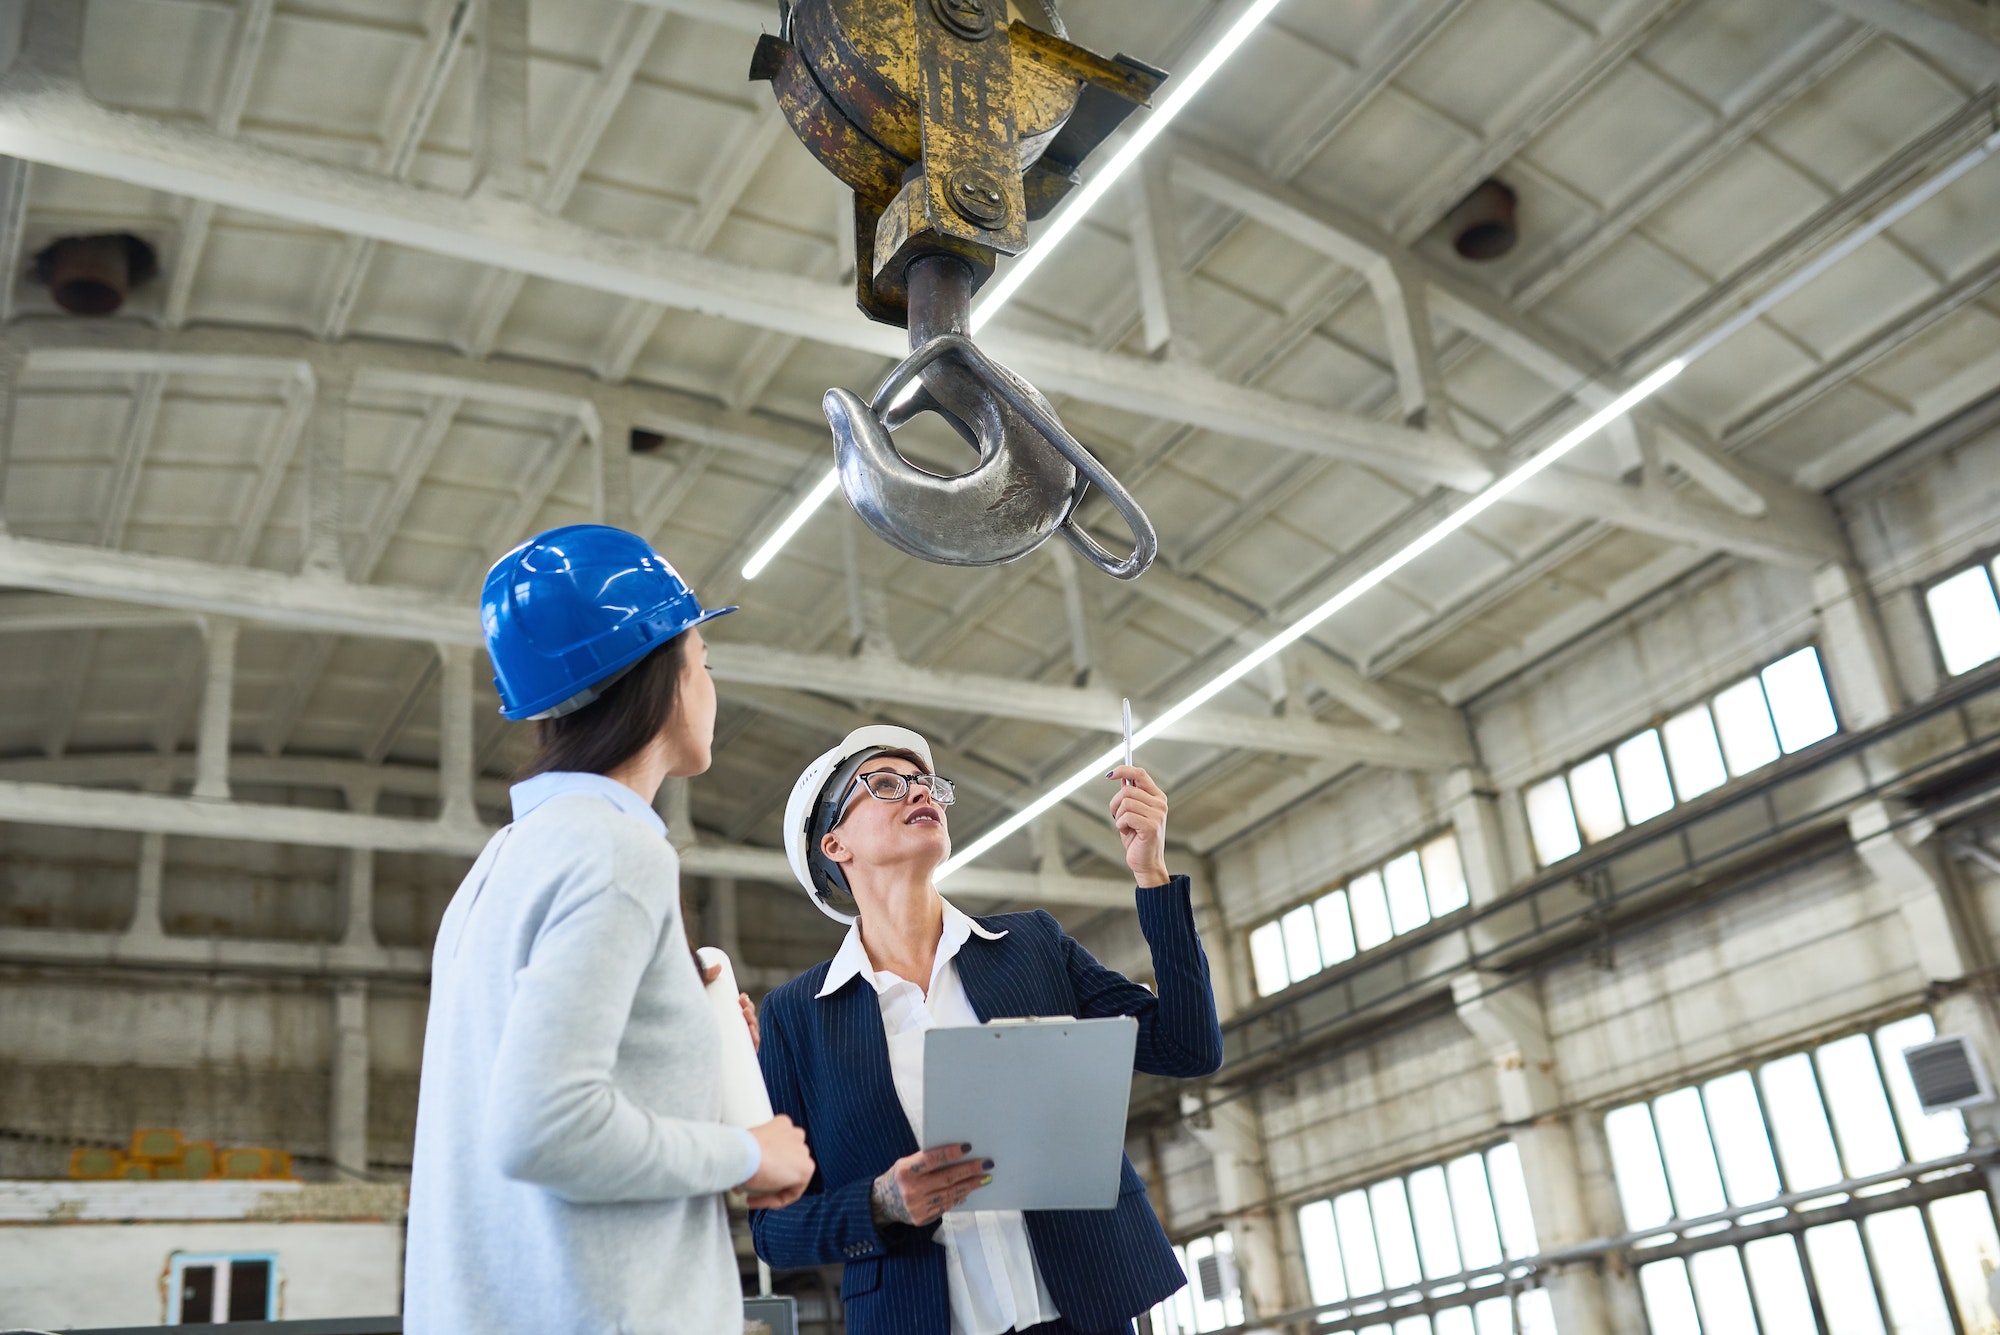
x: 803, y: 811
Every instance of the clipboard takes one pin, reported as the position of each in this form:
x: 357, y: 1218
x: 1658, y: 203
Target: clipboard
x: 1044, y: 1098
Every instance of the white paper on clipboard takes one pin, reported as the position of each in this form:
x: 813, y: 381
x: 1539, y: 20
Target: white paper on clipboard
x: 1045, y: 1099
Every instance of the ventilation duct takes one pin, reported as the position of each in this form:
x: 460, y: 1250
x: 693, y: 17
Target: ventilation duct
x: 1482, y: 224
x: 1947, y: 1074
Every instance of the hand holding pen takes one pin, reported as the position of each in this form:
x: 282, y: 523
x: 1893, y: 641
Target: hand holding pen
x: 1139, y: 811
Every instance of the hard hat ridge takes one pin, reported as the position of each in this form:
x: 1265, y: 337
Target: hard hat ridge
x: 569, y: 611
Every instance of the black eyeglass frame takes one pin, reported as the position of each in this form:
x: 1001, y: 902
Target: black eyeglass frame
x: 942, y: 791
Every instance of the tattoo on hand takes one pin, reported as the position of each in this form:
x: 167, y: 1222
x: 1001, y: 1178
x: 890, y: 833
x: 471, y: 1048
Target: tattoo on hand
x: 886, y: 1203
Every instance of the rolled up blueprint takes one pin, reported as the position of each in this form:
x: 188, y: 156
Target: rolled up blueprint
x: 745, y: 1101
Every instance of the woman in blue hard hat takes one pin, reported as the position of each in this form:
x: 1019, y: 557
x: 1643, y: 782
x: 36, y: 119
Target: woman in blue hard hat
x: 570, y: 1169
x: 865, y: 832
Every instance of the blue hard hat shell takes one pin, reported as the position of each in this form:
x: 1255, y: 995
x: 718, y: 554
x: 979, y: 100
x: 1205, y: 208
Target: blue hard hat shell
x: 573, y: 606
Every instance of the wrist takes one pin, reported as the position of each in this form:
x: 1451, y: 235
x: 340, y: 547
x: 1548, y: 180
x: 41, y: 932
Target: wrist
x: 1154, y: 874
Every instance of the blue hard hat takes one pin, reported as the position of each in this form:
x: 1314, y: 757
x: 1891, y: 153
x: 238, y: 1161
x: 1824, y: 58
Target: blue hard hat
x: 569, y: 610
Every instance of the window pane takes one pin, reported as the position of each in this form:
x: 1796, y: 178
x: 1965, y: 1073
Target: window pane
x: 1394, y: 1236
x: 1267, y: 959
x: 1967, y: 620
x: 1720, y: 1291
x: 1779, y: 1284
x: 1538, y: 1315
x: 1636, y: 1166
x: 1798, y: 1124
x: 1371, y: 910
x: 1336, y: 929
x: 1404, y: 879
x: 1321, y: 1245
x: 1414, y: 1325
x: 1669, y: 1300
x: 1642, y: 776
x: 1594, y: 790
x: 1744, y: 723
x: 1928, y: 1137
x: 1796, y: 688
x: 1691, y: 1167
x: 1444, y: 875
x: 1971, y: 1247
x: 1495, y: 1316
x: 1510, y: 1199
x: 1301, y: 943
x: 1910, y: 1287
x: 1741, y: 1143
x: 1694, y: 753
x: 1357, y: 1243
x: 1472, y: 1208
x: 1860, y: 1109
x: 1437, y: 1240
x: 1456, y: 1321
x: 1840, y: 1270
x: 1551, y: 822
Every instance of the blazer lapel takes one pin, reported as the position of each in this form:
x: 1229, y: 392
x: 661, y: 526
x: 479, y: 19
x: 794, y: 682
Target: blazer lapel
x: 980, y: 973
x: 857, y: 1014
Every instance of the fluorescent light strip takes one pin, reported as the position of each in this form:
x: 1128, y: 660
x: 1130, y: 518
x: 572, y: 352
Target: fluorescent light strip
x: 1482, y: 502
x: 1250, y: 662
x: 1002, y: 289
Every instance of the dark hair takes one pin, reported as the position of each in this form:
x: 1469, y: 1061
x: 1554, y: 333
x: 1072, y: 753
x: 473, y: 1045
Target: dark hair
x: 619, y: 724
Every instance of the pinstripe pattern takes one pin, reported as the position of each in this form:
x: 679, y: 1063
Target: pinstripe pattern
x: 826, y: 1061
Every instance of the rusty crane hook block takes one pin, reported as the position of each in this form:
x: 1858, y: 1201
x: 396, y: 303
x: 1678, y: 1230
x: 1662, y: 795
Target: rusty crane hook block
x: 955, y: 123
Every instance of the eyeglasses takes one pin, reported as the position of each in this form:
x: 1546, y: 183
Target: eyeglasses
x: 888, y: 785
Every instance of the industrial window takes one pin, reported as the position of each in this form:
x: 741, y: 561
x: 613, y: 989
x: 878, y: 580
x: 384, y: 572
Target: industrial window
x: 1833, y: 1131
x: 210, y: 1288
x: 1444, y: 1237
x: 1744, y: 727
x: 1965, y: 617
x: 1213, y: 1298
x: 1401, y: 895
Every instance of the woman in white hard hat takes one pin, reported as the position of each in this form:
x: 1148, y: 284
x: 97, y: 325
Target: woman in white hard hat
x: 570, y: 1166
x: 843, y: 1056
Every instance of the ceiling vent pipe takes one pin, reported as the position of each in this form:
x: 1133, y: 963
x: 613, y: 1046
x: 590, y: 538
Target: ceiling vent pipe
x: 1482, y: 224
x: 91, y: 275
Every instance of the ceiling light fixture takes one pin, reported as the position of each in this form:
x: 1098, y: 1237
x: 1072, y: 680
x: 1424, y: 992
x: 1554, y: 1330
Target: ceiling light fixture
x: 1483, y: 501
x: 1002, y: 289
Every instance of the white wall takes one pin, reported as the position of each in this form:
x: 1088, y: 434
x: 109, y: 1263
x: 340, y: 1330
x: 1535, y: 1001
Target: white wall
x: 68, y: 1276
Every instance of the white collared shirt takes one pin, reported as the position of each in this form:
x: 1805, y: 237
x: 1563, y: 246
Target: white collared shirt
x: 990, y: 1269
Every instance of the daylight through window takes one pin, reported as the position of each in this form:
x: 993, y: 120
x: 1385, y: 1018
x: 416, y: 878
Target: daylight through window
x: 1744, y: 727
x: 1965, y: 616
x: 1382, y: 903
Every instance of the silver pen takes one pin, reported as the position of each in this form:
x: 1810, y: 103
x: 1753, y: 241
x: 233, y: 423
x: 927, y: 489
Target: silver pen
x: 1128, y: 734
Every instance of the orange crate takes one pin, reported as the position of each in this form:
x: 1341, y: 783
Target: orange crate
x: 90, y: 1164
x: 198, y: 1159
x: 157, y: 1144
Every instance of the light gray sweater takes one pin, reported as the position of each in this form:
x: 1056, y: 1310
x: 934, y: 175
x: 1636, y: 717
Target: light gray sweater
x: 569, y: 1165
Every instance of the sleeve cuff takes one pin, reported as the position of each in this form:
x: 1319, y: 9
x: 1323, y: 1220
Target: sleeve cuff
x: 753, y: 1155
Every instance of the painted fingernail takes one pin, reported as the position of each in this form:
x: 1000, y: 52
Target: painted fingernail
x: 986, y: 1181
x: 965, y: 1149
x: 988, y: 1165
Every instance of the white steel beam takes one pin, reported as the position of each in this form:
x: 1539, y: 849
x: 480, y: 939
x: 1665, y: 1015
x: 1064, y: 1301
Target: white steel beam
x: 1962, y: 36
x: 211, y: 764
x: 105, y: 809
x: 325, y: 604
x: 51, y: 120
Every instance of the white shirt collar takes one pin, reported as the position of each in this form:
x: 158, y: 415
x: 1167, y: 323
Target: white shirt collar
x: 531, y: 793
x: 852, y: 961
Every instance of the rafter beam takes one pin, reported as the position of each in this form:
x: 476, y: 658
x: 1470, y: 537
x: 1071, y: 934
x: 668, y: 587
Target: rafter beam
x: 1963, y: 36
x: 315, y: 827
x: 51, y: 120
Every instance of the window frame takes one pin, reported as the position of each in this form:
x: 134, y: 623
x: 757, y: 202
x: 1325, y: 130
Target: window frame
x: 179, y: 1262
x: 1341, y: 885
x: 1986, y: 561
x: 1657, y: 723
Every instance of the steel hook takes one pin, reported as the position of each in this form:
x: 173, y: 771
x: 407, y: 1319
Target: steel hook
x: 1031, y: 475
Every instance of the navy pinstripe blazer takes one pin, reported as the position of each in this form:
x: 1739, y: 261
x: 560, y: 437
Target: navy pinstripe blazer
x: 826, y: 1062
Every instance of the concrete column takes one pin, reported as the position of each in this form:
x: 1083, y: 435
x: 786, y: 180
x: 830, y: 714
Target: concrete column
x: 1233, y: 1135
x: 360, y: 899
x: 211, y: 764
x: 1509, y: 1022
x: 721, y: 927
x: 455, y: 734
x: 1856, y: 658
x: 326, y: 479
x: 611, y: 473
x: 1943, y: 934
x: 152, y: 871
x: 347, y: 1115
x: 1474, y: 806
